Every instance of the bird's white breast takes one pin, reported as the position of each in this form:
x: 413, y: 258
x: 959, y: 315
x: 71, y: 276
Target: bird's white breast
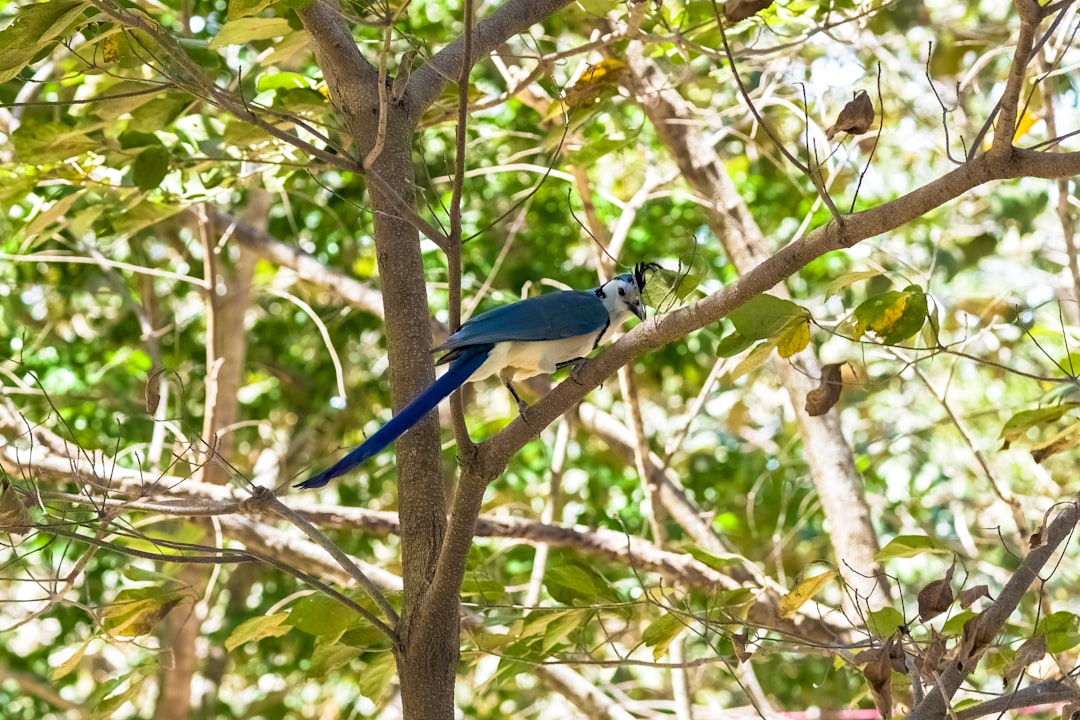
x: 522, y: 360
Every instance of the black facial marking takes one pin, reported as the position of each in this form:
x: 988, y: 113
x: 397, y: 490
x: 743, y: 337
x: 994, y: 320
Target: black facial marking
x: 596, y: 343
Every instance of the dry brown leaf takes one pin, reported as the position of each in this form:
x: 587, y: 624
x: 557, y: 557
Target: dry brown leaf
x: 936, y: 597
x: 930, y: 664
x: 738, y: 640
x: 1032, y: 651
x: 975, y: 640
x: 878, y: 674
x: 968, y: 597
x: 856, y: 117
x: 1038, y: 538
x: 821, y: 399
x: 13, y: 515
x: 742, y: 9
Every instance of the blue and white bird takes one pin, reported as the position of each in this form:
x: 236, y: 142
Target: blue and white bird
x: 517, y: 341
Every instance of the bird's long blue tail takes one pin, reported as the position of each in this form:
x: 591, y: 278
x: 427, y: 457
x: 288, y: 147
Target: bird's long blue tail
x: 463, y: 366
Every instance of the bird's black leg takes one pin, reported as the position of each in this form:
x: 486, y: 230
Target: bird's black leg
x: 522, y: 405
x: 575, y: 366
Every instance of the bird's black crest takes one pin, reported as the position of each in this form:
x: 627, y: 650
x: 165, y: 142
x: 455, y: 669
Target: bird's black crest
x: 639, y: 273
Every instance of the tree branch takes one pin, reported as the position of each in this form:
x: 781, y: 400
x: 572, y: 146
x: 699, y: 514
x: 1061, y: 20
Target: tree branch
x: 991, y: 620
x: 513, y: 17
x: 346, y: 71
x: 496, y: 452
x: 1030, y: 17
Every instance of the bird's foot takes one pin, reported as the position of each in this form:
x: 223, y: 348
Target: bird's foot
x: 575, y: 368
x: 522, y: 406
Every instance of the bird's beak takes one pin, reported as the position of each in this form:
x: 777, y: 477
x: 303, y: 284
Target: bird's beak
x: 638, y: 308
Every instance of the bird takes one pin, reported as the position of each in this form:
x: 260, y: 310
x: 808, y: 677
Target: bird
x: 517, y: 341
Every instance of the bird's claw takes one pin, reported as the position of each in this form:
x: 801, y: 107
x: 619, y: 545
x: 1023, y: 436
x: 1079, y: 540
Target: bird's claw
x: 575, y: 368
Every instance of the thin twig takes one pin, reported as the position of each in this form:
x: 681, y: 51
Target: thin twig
x: 274, y: 505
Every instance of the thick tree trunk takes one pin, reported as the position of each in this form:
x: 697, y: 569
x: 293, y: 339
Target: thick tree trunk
x: 427, y: 652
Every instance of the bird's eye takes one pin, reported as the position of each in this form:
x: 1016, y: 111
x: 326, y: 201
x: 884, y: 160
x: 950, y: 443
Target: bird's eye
x: 622, y: 292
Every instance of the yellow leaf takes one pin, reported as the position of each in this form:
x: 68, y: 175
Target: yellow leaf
x: 1025, y: 122
x: 111, y: 49
x: 794, y: 338
x: 594, y: 73
x: 889, y: 315
x: 587, y: 89
x: 802, y: 593
x: 754, y: 359
x: 71, y: 663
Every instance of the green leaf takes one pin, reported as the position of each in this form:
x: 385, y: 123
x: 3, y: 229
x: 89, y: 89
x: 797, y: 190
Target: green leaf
x: 243, y: 8
x: 238, y: 32
x: 52, y: 214
x: 137, y: 611
x: 894, y: 316
x: 322, y: 615
x: 562, y: 625
x: 955, y: 625
x: 486, y: 588
x: 282, y: 81
x: 733, y: 344
x: 141, y: 574
x: 258, y: 628
x: 40, y: 143
x: 35, y: 28
x: 113, y: 108
x: 535, y: 624
x: 589, y: 153
x: 662, y: 632
x: 754, y: 360
x: 374, y: 680
x: 906, y: 546
x: 108, y: 706
x: 1062, y: 630
x: 244, y: 135
x: 136, y: 139
x: 570, y: 584
x: 150, y: 168
x: 1018, y: 425
x: 731, y: 605
x: 71, y: 663
x: 848, y: 279
x: 716, y: 562
x: 159, y: 113
x: 300, y: 100
x: 883, y: 623
x: 765, y: 315
x: 330, y: 654
x: 666, y: 288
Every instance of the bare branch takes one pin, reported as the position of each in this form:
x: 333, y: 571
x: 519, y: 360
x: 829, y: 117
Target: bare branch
x: 991, y: 621
x: 1030, y: 17
x: 513, y: 17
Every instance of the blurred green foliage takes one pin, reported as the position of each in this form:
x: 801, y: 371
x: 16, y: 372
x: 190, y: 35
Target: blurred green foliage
x: 97, y: 248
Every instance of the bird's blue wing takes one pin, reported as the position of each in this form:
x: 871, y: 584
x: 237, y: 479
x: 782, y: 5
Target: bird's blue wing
x: 552, y: 316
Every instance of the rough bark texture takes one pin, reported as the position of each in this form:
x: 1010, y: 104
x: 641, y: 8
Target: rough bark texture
x: 427, y: 650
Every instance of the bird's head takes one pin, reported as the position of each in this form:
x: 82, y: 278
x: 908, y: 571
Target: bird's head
x: 622, y: 294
